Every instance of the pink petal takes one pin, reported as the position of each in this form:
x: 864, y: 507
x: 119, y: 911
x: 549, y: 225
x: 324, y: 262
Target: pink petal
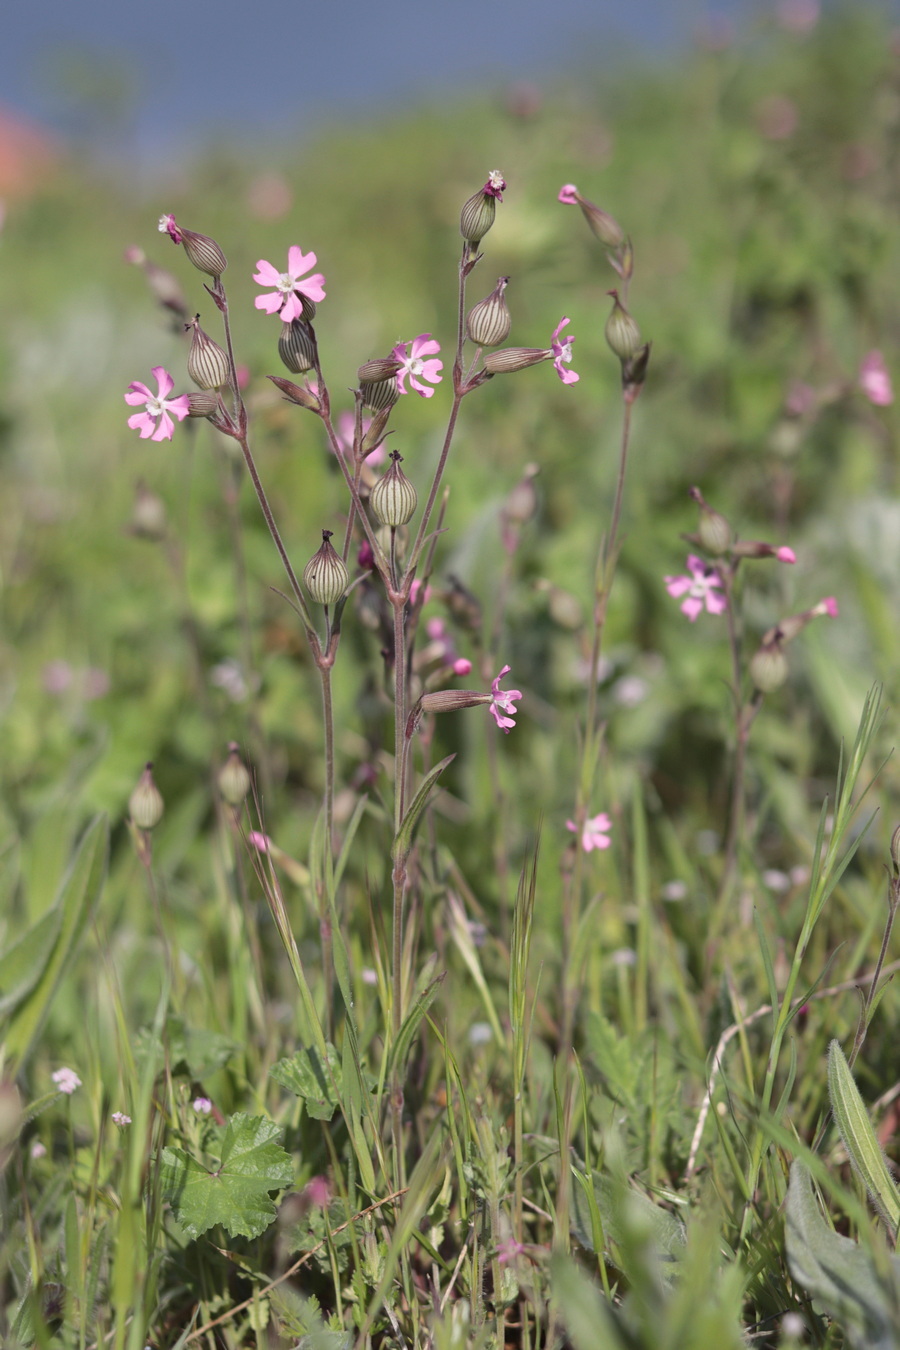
x: 271, y: 303
x: 559, y: 327
x: 567, y: 376
x: 678, y: 585
x: 142, y: 422
x: 164, y: 431
x: 715, y: 603
x: 399, y: 352
x: 267, y: 275
x: 696, y: 565
x: 424, y: 345
x: 299, y: 262
x: 292, y: 308
x: 831, y: 606
x: 568, y: 195
x: 462, y: 666
x: 786, y: 555
x: 163, y: 379
x: 692, y: 607
x: 431, y: 370
x: 313, y: 287
x: 420, y: 388
x: 138, y: 393
x: 180, y: 406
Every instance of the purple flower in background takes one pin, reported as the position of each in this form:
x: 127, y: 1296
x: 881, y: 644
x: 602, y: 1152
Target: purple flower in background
x: 503, y: 702
x: 415, y: 367
x: 874, y: 380
x: 702, y: 588
x: 289, y: 286
x: 562, y: 354
x: 155, y: 421
x: 594, y: 833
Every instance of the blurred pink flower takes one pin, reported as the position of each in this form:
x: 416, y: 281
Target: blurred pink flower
x: 826, y: 608
x: 66, y: 1080
x: 777, y: 117
x: 503, y: 701
x: 415, y: 591
x: 562, y: 354
x: 801, y: 399
x: 57, y: 677
x: 155, y: 421
x: 289, y: 286
x: 317, y: 1192
x: 269, y: 196
x: 202, y: 1105
x: 568, y: 194
x: 874, y: 380
x: 119, y: 1118
x: 344, y: 429
x: 702, y: 588
x: 261, y: 842
x: 798, y: 16
x: 415, y: 367
x: 594, y: 833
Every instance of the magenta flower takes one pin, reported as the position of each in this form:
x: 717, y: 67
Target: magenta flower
x: 345, y: 429
x: 495, y: 185
x: 289, y: 286
x: 568, y: 195
x: 562, y: 354
x: 826, y: 608
x: 701, y: 587
x: 785, y: 554
x: 503, y: 701
x: 874, y: 380
x: 415, y: 367
x: 155, y: 421
x: 594, y: 832
x: 202, y: 1105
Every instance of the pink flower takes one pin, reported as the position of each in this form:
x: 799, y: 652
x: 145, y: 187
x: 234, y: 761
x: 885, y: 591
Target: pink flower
x: 495, y: 185
x: 415, y: 591
x: 414, y: 366
x: 785, y: 554
x: 594, y: 833
x: 66, y: 1081
x: 156, y: 421
x: 289, y: 287
x: 827, y: 607
x: 261, y: 842
x: 503, y: 701
x: 562, y: 354
x: 874, y: 380
x: 345, y: 429
x: 702, y: 588
x: 202, y: 1105
x: 119, y: 1118
x: 568, y: 194
x: 168, y: 226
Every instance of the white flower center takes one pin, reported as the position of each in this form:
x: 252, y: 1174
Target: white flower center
x: 156, y: 406
x: 415, y: 365
x: 285, y: 283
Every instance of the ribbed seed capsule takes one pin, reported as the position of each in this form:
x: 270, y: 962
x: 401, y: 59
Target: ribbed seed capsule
x: 477, y: 217
x: 297, y: 393
x: 508, y: 359
x: 488, y: 323
x: 713, y: 530
x: 234, y: 777
x: 207, y: 362
x: 145, y: 803
x: 325, y: 576
x: 768, y: 667
x: 378, y: 394
x: 393, y: 498
x: 622, y: 333
x: 382, y: 368
x: 203, y: 403
x: 204, y: 253
x: 297, y: 346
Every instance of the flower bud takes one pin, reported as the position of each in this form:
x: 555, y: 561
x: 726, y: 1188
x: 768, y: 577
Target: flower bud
x: 207, y: 362
x: 145, y: 803
x: 373, y: 436
x: 325, y: 576
x: 393, y: 498
x: 297, y: 393
x: 634, y: 372
x: 713, y: 531
x: 477, y: 215
x: 488, y: 323
x: 203, y: 403
x: 769, y: 666
x: 509, y: 359
x: 622, y: 333
x: 202, y: 251
x: 382, y: 368
x: 378, y: 395
x: 234, y: 777
x: 605, y: 227
x: 297, y: 346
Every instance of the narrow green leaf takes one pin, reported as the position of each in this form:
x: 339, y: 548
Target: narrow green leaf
x: 588, y: 1319
x: 349, y: 835
x: 410, y: 1025
x: 23, y: 964
x: 859, y: 1137
x: 403, y: 840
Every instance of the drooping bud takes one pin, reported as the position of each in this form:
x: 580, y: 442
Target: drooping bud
x: 477, y: 215
x: 203, y: 403
x: 148, y: 515
x: 713, y: 531
x: 325, y: 576
x: 393, y: 498
x: 234, y: 777
x: 605, y: 227
x: 769, y: 666
x: 202, y: 251
x: 509, y: 359
x: 788, y: 628
x: 145, y: 803
x: 297, y: 346
x: 622, y: 333
x: 488, y: 323
x: 297, y: 393
x: 755, y: 548
x: 382, y: 368
x: 207, y: 362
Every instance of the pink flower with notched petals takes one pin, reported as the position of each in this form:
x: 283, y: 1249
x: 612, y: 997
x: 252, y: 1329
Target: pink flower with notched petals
x: 345, y: 430
x: 415, y: 367
x: 702, y: 589
x: 562, y: 354
x: 874, y: 380
x: 155, y: 421
x: 594, y: 832
x: 503, y: 702
x: 289, y: 286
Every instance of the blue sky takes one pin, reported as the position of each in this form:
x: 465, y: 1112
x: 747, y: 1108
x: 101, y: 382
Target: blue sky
x: 195, y: 67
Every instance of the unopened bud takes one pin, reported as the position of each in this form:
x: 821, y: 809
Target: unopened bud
x: 207, y: 362
x: 203, y: 403
x: 297, y: 346
x: 478, y: 213
x: 713, y: 531
x: 634, y: 372
x: 622, y: 333
x: 148, y: 514
x: 769, y: 667
x: 145, y: 803
x: 488, y: 323
x: 755, y: 548
x: 509, y: 359
x: 393, y: 498
x: 378, y: 395
x: 373, y: 436
x: 325, y: 576
x: 234, y: 777
x: 297, y: 393
x: 382, y: 368
x: 202, y: 251
x: 605, y: 227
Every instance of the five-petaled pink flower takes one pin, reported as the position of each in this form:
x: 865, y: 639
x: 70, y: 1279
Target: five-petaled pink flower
x: 503, y: 701
x: 594, y: 832
x: 155, y: 421
x: 415, y: 367
x: 290, y: 286
x: 702, y: 588
x: 562, y: 354
x: 874, y: 380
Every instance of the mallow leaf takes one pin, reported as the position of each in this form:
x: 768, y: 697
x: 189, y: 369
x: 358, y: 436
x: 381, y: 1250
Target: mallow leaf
x: 235, y: 1193
x: 306, y: 1076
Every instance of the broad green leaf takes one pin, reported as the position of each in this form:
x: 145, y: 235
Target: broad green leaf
x: 235, y: 1193
x: 403, y: 840
x: 77, y: 897
x: 840, y: 1273
x: 317, y: 1083
x: 188, y: 1050
x: 585, y: 1313
x: 859, y: 1137
x: 23, y: 964
x: 623, y: 1211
